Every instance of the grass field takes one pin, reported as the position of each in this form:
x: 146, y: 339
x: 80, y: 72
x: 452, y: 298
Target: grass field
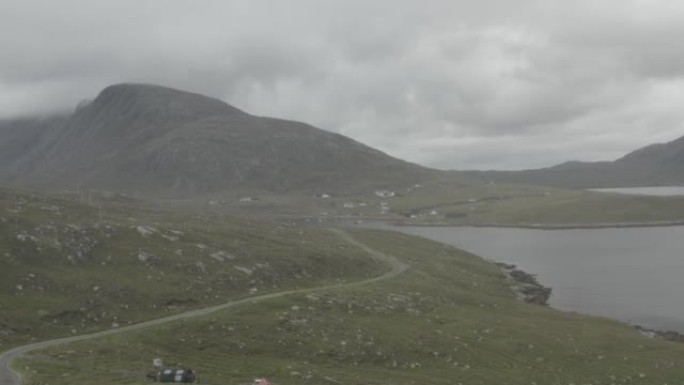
x: 450, y: 319
x: 454, y: 202
x: 493, y: 204
x: 68, y: 268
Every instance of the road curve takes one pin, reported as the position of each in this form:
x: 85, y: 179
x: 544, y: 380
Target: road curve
x: 10, y: 377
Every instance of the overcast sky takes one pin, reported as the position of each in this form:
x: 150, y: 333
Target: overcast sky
x: 454, y: 84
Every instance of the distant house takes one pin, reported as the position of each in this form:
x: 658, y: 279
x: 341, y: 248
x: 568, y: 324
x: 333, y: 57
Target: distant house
x: 384, y: 193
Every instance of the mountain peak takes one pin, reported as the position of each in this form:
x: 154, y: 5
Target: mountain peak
x: 150, y: 99
x: 159, y: 140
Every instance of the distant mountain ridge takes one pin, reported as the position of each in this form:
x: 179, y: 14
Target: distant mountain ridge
x: 656, y: 164
x: 159, y: 140
x: 167, y: 142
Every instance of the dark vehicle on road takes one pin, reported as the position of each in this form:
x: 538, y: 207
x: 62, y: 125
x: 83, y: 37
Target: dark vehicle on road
x: 177, y: 375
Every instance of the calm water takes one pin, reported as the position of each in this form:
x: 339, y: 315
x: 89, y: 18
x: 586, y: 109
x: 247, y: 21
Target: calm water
x: 632, y: 274
x: 657, y: 191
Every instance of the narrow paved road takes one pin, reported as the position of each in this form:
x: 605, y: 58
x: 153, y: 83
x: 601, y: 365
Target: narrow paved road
x: 9, y: 377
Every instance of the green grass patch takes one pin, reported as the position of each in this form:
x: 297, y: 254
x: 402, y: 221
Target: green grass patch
x: 68, y: 268
x: 451, y: 318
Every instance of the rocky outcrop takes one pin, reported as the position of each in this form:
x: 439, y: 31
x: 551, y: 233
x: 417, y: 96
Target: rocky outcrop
x: 668, y: 335
x: 525, y: 285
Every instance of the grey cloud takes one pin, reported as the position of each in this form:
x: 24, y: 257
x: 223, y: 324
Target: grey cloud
x: 451, y: 84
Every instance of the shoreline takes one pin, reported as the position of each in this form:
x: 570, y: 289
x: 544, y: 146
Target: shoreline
x: 402, y: 222
x: 540, y: 226
x: 527, y: 288
x: 668, y: 335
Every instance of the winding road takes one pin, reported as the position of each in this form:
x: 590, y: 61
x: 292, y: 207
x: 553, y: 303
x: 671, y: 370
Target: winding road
x: 10, y: 377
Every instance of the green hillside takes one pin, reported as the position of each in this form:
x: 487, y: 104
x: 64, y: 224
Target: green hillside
x: 70, y: 268
x: 450, y: 318
x: 453, y: 202
x: 524, y: 205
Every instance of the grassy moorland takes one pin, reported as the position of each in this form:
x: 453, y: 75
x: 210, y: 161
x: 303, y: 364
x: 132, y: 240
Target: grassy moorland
x: 68, y: 268
x: 451, y: 318
x: 450, y: 202
x: 492, y: 204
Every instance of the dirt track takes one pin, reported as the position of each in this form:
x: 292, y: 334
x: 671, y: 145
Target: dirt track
x: 9, y: 377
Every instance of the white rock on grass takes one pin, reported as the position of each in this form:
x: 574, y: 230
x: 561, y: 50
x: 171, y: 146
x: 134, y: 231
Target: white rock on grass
x: 222, y: 256
x: 244, y: 270
x: 171, y: 238
x: 146, y: 231
x: 143, y: 256
x: 200, y: 266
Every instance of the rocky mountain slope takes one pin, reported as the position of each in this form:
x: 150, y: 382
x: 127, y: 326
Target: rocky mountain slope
x: 157, y: 140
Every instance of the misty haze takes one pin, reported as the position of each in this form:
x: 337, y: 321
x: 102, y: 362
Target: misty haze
x: 328, y: 192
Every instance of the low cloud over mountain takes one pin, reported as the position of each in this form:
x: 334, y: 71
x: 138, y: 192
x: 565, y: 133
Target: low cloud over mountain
x: 163, y: 141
